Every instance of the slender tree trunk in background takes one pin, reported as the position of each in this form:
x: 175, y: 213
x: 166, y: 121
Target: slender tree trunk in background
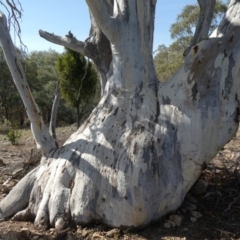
x: 52, y: 125
x: 6, y: 113
x: 78, y: 116
x: 145, y: 144
x: 21, y: 116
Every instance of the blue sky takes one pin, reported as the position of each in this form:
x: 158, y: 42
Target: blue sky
x: 59, y: 17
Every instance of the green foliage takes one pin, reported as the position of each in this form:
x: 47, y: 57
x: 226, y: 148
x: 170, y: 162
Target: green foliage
x: 10, y: 102
x: 168, y: 59
x: 41, y: 74
x: 42, y: 78
x: 188, y: 18
x: 13, y: 136
x: 78, y: 80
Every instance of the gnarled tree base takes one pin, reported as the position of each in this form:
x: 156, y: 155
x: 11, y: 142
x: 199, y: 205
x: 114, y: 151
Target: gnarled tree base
x: 120, y: 168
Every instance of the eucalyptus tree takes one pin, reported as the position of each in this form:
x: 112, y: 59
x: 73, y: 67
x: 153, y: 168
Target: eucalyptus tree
x: 11, y: 108
x: 146, y: 143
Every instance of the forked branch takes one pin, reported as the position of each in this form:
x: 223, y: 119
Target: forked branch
x: 108, y: 24
x: 68, y: 41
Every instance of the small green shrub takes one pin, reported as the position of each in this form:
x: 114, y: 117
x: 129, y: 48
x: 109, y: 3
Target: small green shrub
x: 13, y: 136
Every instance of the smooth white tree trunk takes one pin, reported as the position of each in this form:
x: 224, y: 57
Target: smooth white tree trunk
x: 53, y: 120
x: 146, y: 143
x: 42, y: 137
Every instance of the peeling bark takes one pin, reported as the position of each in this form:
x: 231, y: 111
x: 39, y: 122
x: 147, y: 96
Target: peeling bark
x: 146, y: 143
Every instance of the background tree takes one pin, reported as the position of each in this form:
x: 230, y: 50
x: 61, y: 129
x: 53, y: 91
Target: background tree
x: 169, y: 59
x: 146, y: 143
x: 11, y: 106
x: 42, y: 78
x: 78, y: 81
x: 40, y: 70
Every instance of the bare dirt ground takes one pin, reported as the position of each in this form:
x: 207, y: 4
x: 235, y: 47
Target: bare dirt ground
x: 212, y: 212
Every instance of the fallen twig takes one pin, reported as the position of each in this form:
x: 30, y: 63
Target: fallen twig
x: 225, y: 232
x: 231, y: 203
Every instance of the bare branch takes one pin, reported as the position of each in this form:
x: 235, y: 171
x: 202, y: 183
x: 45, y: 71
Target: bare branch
x: 14, y: 9
x: 96, y: 46
x: 204, y: 22
x: 68, y: 41
x: 109, y: 25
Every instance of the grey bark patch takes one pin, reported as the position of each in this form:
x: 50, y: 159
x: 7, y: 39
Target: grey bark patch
x: 194, y: 92
x: 209, y: 94
x: 171, y: 154
x: 134, y: 118
x: 229, y: 78
x: 146, y: 155
x: 138, y: 101
x: 115, y: 112
x: 237, y: 115
x: 93, y: 203
x: 166, y: 100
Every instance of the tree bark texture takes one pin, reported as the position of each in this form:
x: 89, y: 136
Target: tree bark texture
x: 146, y: 143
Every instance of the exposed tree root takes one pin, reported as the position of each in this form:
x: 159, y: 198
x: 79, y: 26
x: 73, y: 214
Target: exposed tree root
x: 18, y: 197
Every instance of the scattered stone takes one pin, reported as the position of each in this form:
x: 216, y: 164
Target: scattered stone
x: 167, y: 225
x: 191, y: 199
x: 176, y: 219
x: 4, y: 188
x: 85, y: 233
x: 24, y: 229
x: 97, y: 235
x: 172, y: 223
x: 35, y: 237
x: 200, y: 187
x: 196, y: 214
x: 193, y: 219
x: 2, y: 164
x: 189, y: 206
x: 183, y: 210
x: 112, y: 233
